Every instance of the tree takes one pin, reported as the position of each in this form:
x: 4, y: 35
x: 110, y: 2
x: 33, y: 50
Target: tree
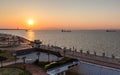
x: 48, y: 53
x: 70, y: 49
x: 95, y: 53
x: 38, y: 55
x: 24, y: 65
x: 1, y: 63
x: 24, y: 59
x: 64, y: 51
x: 2, y: 59
x: 81, y: 51
x: 113, y: 56
x: 73, y: 49
x: 88, y: 52
x: 103, y: 54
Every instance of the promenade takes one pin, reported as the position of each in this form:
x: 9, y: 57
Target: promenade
x: 90, y: 58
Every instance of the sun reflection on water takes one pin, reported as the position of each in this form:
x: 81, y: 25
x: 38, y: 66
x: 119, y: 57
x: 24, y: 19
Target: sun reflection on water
x: 30, y: 35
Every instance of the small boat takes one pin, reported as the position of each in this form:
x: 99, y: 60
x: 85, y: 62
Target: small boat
x: 110, y: 30
x: 65, y: 30
x: 26, y: 30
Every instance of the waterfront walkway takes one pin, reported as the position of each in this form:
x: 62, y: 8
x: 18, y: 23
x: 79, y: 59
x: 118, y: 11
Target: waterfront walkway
x: 90, y: 58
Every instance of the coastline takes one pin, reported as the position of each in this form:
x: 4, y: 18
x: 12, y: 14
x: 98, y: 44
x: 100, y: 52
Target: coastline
x: 86, y: 57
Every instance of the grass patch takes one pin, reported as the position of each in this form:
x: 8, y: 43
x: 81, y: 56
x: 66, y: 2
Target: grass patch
x: 7, y: 54
x: 14, y: 71
x: 2, y: 51
x: 11, y: 71
x: 21, y: 66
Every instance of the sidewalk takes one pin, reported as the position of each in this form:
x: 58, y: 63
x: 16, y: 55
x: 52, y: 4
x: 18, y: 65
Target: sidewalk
x: 7, y: 63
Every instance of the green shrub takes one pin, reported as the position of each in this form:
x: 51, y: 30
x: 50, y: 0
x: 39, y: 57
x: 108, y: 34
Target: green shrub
x: 13, y: 71
x: 2, y: 51
x: 47, y: 65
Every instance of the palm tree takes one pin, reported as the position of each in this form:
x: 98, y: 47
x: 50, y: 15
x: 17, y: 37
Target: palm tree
x: 57, y: 58
x: 113, y: 56
x: 81, y: 51
x: 24, y: 59
x: 103, y: 54
x: 64, y: 51
x: 38, y: 55
x: 1, y: 63
x: 95, y: 53
x: 2, y: 59
x: 88, y: 52
x: 24, y: 65
x: 48, y: 53
x: 8, y: 40
x: 73, y: 49
x: 70, y: 49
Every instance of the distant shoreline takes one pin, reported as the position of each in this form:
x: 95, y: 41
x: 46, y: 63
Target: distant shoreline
x: 13, y: 29
x: 70, y: 30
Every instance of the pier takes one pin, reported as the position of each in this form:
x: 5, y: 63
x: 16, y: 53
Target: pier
x: 87, y: 57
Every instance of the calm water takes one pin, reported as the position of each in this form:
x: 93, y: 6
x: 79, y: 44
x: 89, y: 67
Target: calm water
x: 99, y: 41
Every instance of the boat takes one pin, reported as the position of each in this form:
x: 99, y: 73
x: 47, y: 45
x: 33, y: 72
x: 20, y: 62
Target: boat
x: 27, y: 30
x: 65, y: 30
x: 110, y: 30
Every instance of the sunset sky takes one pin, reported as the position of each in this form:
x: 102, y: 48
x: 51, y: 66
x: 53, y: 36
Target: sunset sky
x: 60, y: 14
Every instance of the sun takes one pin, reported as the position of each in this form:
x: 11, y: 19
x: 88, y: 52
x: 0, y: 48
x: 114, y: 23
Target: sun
x: 30, y: 22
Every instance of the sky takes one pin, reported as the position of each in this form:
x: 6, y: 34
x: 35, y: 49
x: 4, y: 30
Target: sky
x: 60, y: 14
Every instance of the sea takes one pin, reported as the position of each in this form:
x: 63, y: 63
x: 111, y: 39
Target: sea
x: 86, y: 40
